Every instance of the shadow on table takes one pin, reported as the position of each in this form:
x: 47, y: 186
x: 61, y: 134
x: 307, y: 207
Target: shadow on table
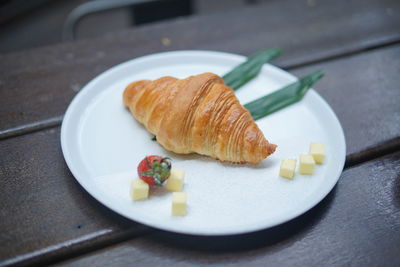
x: 275, y: 236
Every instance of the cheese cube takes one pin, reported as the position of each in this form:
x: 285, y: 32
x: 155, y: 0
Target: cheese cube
x: 317, y: 150
x: 139, y: 190
x: 307, y: 164
x: 178, y: 203
x: 175, y: 180
x: 287, y: 168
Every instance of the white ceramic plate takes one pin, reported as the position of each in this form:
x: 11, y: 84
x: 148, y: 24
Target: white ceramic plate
x: 102, y: 145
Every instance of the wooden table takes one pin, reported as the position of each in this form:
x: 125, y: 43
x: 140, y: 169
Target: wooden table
x: 46, y: 217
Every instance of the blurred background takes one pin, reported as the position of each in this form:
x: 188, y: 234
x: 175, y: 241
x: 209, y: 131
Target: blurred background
x: 26, y: 24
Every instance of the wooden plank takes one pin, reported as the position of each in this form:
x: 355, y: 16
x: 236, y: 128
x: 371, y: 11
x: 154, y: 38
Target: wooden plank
x: 38, y: 84
x: 43, y: 210
x: 358, y: 224
x: 363, y: 91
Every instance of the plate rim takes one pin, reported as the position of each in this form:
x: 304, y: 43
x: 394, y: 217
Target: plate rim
x: 66, y: 153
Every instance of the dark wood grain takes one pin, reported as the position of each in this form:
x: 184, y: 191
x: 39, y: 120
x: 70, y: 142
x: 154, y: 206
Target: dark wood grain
x: 43, y: 210
x: 38, y: 84
x: 358, y: 224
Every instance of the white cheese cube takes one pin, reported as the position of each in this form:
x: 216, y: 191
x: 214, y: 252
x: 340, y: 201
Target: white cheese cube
x: 306, y: 164
x: 317, y: 150
x: 287, y: 168
x: 175, y: 180
x: 139, y: 189
x: 178, y: 203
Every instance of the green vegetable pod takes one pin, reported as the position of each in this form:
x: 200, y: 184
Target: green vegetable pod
x: 284, y: 97
x: 249, y: 69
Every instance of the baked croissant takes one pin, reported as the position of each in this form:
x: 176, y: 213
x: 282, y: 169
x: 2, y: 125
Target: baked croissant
x: 197, y: 114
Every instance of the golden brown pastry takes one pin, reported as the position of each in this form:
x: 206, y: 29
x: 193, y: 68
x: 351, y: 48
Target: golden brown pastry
x: 197, y: 114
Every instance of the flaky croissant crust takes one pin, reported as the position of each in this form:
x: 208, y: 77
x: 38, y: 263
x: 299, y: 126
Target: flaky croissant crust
x: 197, y: 114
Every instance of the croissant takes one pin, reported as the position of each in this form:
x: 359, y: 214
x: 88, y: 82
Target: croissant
x: 198, y: 114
